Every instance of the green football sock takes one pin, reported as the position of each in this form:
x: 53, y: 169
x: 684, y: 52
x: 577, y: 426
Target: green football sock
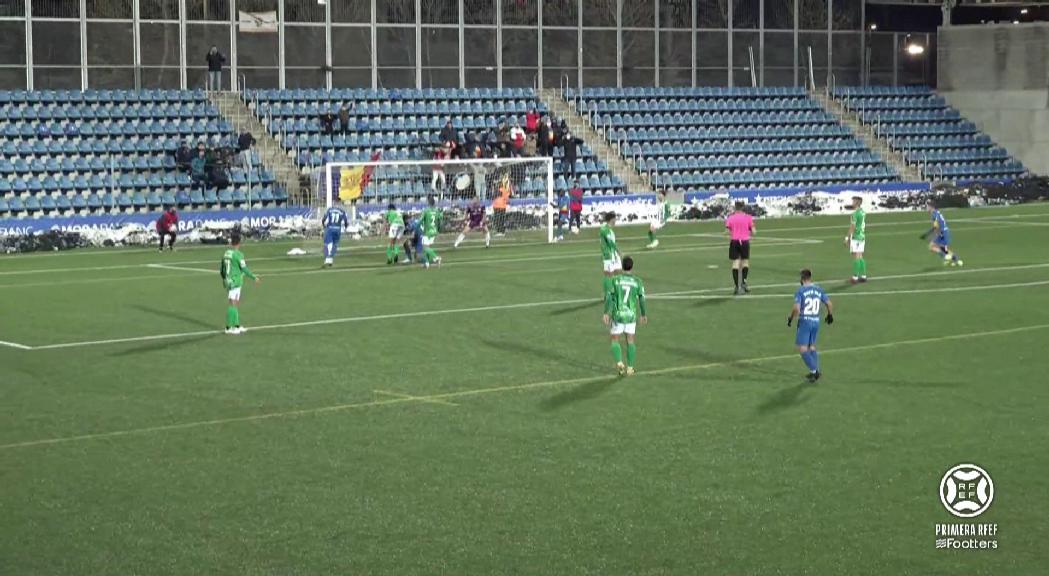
x: 231, y: 316
x: 431, y: 256
x: 863, y: 266
x: 396, y: 250
x: 631, y: 353
x: 617, y: 351
x: 236, y: 315
x: 856, y: 267
x: 651, y: 236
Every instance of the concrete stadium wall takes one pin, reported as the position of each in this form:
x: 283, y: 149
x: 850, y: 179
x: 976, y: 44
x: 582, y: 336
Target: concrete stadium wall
x: 998, y: 77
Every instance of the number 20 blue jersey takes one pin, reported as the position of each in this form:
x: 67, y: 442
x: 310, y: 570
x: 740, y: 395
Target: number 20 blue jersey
x: 810, y: 300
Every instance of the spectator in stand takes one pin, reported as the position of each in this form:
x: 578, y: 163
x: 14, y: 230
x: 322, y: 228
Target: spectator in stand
x: 215, y: 61
x: 502, y: 137
x: 530, y: 146
x: 575, y: 207
x: 183, y: 156
x: 517, y: 139
x: 545, y: 144
x: 449, y: 133
x: 531, y: 121
x: 167, y: 227
x: 344, y: 118
x: 198, y: 167
x: 244, y: 144
x: 327, y: 122
x: 571, y: 146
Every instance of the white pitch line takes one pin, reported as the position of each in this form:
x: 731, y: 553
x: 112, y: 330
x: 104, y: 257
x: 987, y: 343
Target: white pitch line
x: 318, y: 270
x: 508, y: 388
x: 425, y: 313
x: 15, y: 345
x: 844, y: 294
x: 876, y: 278
x: 184, y: 268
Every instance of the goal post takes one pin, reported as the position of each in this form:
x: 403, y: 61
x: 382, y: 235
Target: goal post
x: 517, y: 193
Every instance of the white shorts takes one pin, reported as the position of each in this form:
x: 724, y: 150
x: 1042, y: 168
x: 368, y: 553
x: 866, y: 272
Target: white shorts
x: 618, y: 328
x: 438, y: 177
x: 395, y: 231
x: 234, y: 293
x: 656, y: 225
x: 856, y: 246
x: 613, y: 265
x: 428, y: 240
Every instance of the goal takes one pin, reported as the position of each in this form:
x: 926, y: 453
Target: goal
x: 517, y: 193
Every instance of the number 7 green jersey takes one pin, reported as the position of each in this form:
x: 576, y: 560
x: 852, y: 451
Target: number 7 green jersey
x: 234, y: 269
x: 859, y: 221
x: 625, y: 302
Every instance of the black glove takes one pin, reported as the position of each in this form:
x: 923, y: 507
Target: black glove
x: 789, y: 320
x: 830, y: 318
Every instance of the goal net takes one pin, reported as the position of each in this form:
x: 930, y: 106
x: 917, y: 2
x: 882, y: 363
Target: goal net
x: 517, y: 193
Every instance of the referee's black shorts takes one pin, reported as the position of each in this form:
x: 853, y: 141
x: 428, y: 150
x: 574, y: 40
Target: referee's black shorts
x: 739, y: 250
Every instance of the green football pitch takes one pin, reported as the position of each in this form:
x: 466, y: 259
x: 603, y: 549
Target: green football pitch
x: 468, y: 419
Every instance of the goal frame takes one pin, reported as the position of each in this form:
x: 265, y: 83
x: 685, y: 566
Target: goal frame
x: 546, y: 161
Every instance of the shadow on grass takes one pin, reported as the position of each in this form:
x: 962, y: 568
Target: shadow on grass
x: 700, y: 357
x: 575, y: 308
x: 786, y: 398
x: 713, y: 301
x: 164, y: 345
x: 532, y: 352
x: 173, y: 315
x: 580, y: 393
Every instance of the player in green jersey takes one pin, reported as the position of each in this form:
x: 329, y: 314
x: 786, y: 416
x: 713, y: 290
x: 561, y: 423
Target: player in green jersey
x: 394, y: 228
x: 609, y: 251
x: 856, y: 240
x: 662, y: 215
x: 233, y: 270
x: 430, y: 221
x: 624, y: 308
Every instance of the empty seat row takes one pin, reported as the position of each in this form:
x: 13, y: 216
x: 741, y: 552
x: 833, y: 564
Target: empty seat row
x: 879, y: 91
x: 942, y: 142
x: 774, y: 178
x: 714, y: 119
x: 743, y: 147
x: 697, y: 105
x: 91, y: 96
x: 154, y: 200
x: 734, y: 133
x: 906, y: 116
x: 963, y: 155
x: 386, y: 95
x: 692, y: 92
x: 115, y: 128
x: 747, y: 161
x: 444, y: 109
x: 97, y: 112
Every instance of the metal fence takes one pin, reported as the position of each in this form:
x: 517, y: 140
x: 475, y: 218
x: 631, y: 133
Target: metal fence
x: 443, y: 43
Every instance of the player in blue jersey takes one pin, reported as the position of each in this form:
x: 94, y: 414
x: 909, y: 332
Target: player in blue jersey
x: 334, y: 222
x: 941, y: 241
x: 808, y: 301
x: 413, y: 239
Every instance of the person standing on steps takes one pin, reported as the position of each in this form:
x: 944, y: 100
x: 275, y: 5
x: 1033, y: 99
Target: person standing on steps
x: 215, y: 61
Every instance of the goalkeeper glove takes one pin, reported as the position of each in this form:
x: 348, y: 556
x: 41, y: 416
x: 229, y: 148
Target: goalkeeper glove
x: 830, y: 318
x: 789, y: 320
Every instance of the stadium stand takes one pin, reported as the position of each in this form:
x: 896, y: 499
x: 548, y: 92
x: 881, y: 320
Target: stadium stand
x: 405, y: 125
x: 111, y: 151
x: 708, y: 139
x: 918, y: 123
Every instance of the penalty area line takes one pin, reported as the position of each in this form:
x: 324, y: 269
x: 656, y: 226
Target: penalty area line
x: 422, y: 399
x: 180, y: 268
x: 15, y: 345
x: 508, y: 388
